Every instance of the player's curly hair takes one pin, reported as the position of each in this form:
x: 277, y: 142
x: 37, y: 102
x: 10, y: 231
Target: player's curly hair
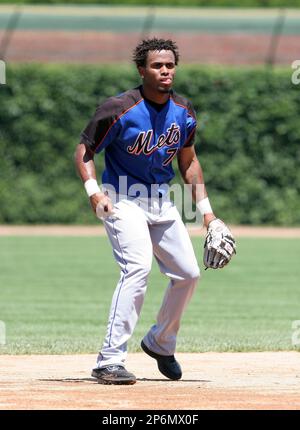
x: 140, y: 53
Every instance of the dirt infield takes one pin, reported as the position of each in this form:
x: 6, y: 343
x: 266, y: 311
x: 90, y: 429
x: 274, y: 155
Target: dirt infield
x: 95, y: 230
x: 261, y: 380
x: 255, y: 380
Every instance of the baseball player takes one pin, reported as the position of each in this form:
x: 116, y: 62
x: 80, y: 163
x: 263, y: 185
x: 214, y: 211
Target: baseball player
x: 141, y: 132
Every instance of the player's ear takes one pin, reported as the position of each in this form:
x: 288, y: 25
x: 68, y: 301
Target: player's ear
x: 141, y: 71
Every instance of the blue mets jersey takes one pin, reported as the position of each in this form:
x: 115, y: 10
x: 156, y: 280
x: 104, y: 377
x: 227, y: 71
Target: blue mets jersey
x: 139, y: 140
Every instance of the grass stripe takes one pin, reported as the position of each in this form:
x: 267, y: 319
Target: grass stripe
x: 55, y: 294
x: 128, y: 20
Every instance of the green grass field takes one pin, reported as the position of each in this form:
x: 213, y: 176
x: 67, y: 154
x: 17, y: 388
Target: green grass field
x: 55, y: 294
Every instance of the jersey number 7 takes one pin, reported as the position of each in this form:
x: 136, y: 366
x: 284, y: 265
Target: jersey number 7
x: 172, y: 152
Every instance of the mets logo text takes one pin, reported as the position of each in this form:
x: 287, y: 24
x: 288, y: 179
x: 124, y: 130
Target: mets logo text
x: 143, y: 141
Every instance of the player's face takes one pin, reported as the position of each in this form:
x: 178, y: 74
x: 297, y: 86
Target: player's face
x: 159, y: 73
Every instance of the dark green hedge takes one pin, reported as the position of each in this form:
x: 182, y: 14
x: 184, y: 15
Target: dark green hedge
x: 248, y: 140
x: 184, y: 3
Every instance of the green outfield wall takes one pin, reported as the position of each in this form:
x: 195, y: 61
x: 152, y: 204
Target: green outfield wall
x: 247, y: 139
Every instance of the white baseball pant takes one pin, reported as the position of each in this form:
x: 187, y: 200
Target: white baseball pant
x: 145, y: 227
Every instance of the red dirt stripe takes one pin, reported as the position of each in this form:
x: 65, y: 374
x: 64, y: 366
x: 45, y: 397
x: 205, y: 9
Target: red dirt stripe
x: 95, y: 47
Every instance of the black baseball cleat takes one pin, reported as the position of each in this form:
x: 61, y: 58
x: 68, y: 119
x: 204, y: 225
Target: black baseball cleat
x: 113, y: 375
x: 167, y: 365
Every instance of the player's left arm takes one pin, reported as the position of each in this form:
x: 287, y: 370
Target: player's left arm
x: 220, y: 245
x: 192, y: 174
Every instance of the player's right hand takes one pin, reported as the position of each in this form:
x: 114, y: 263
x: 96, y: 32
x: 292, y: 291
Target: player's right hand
x: 102, y: 205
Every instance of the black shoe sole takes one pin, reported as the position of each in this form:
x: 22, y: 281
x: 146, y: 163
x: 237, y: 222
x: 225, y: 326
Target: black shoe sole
x: 149, y: 352
x: 113, y: 380
x: 161, y: 363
